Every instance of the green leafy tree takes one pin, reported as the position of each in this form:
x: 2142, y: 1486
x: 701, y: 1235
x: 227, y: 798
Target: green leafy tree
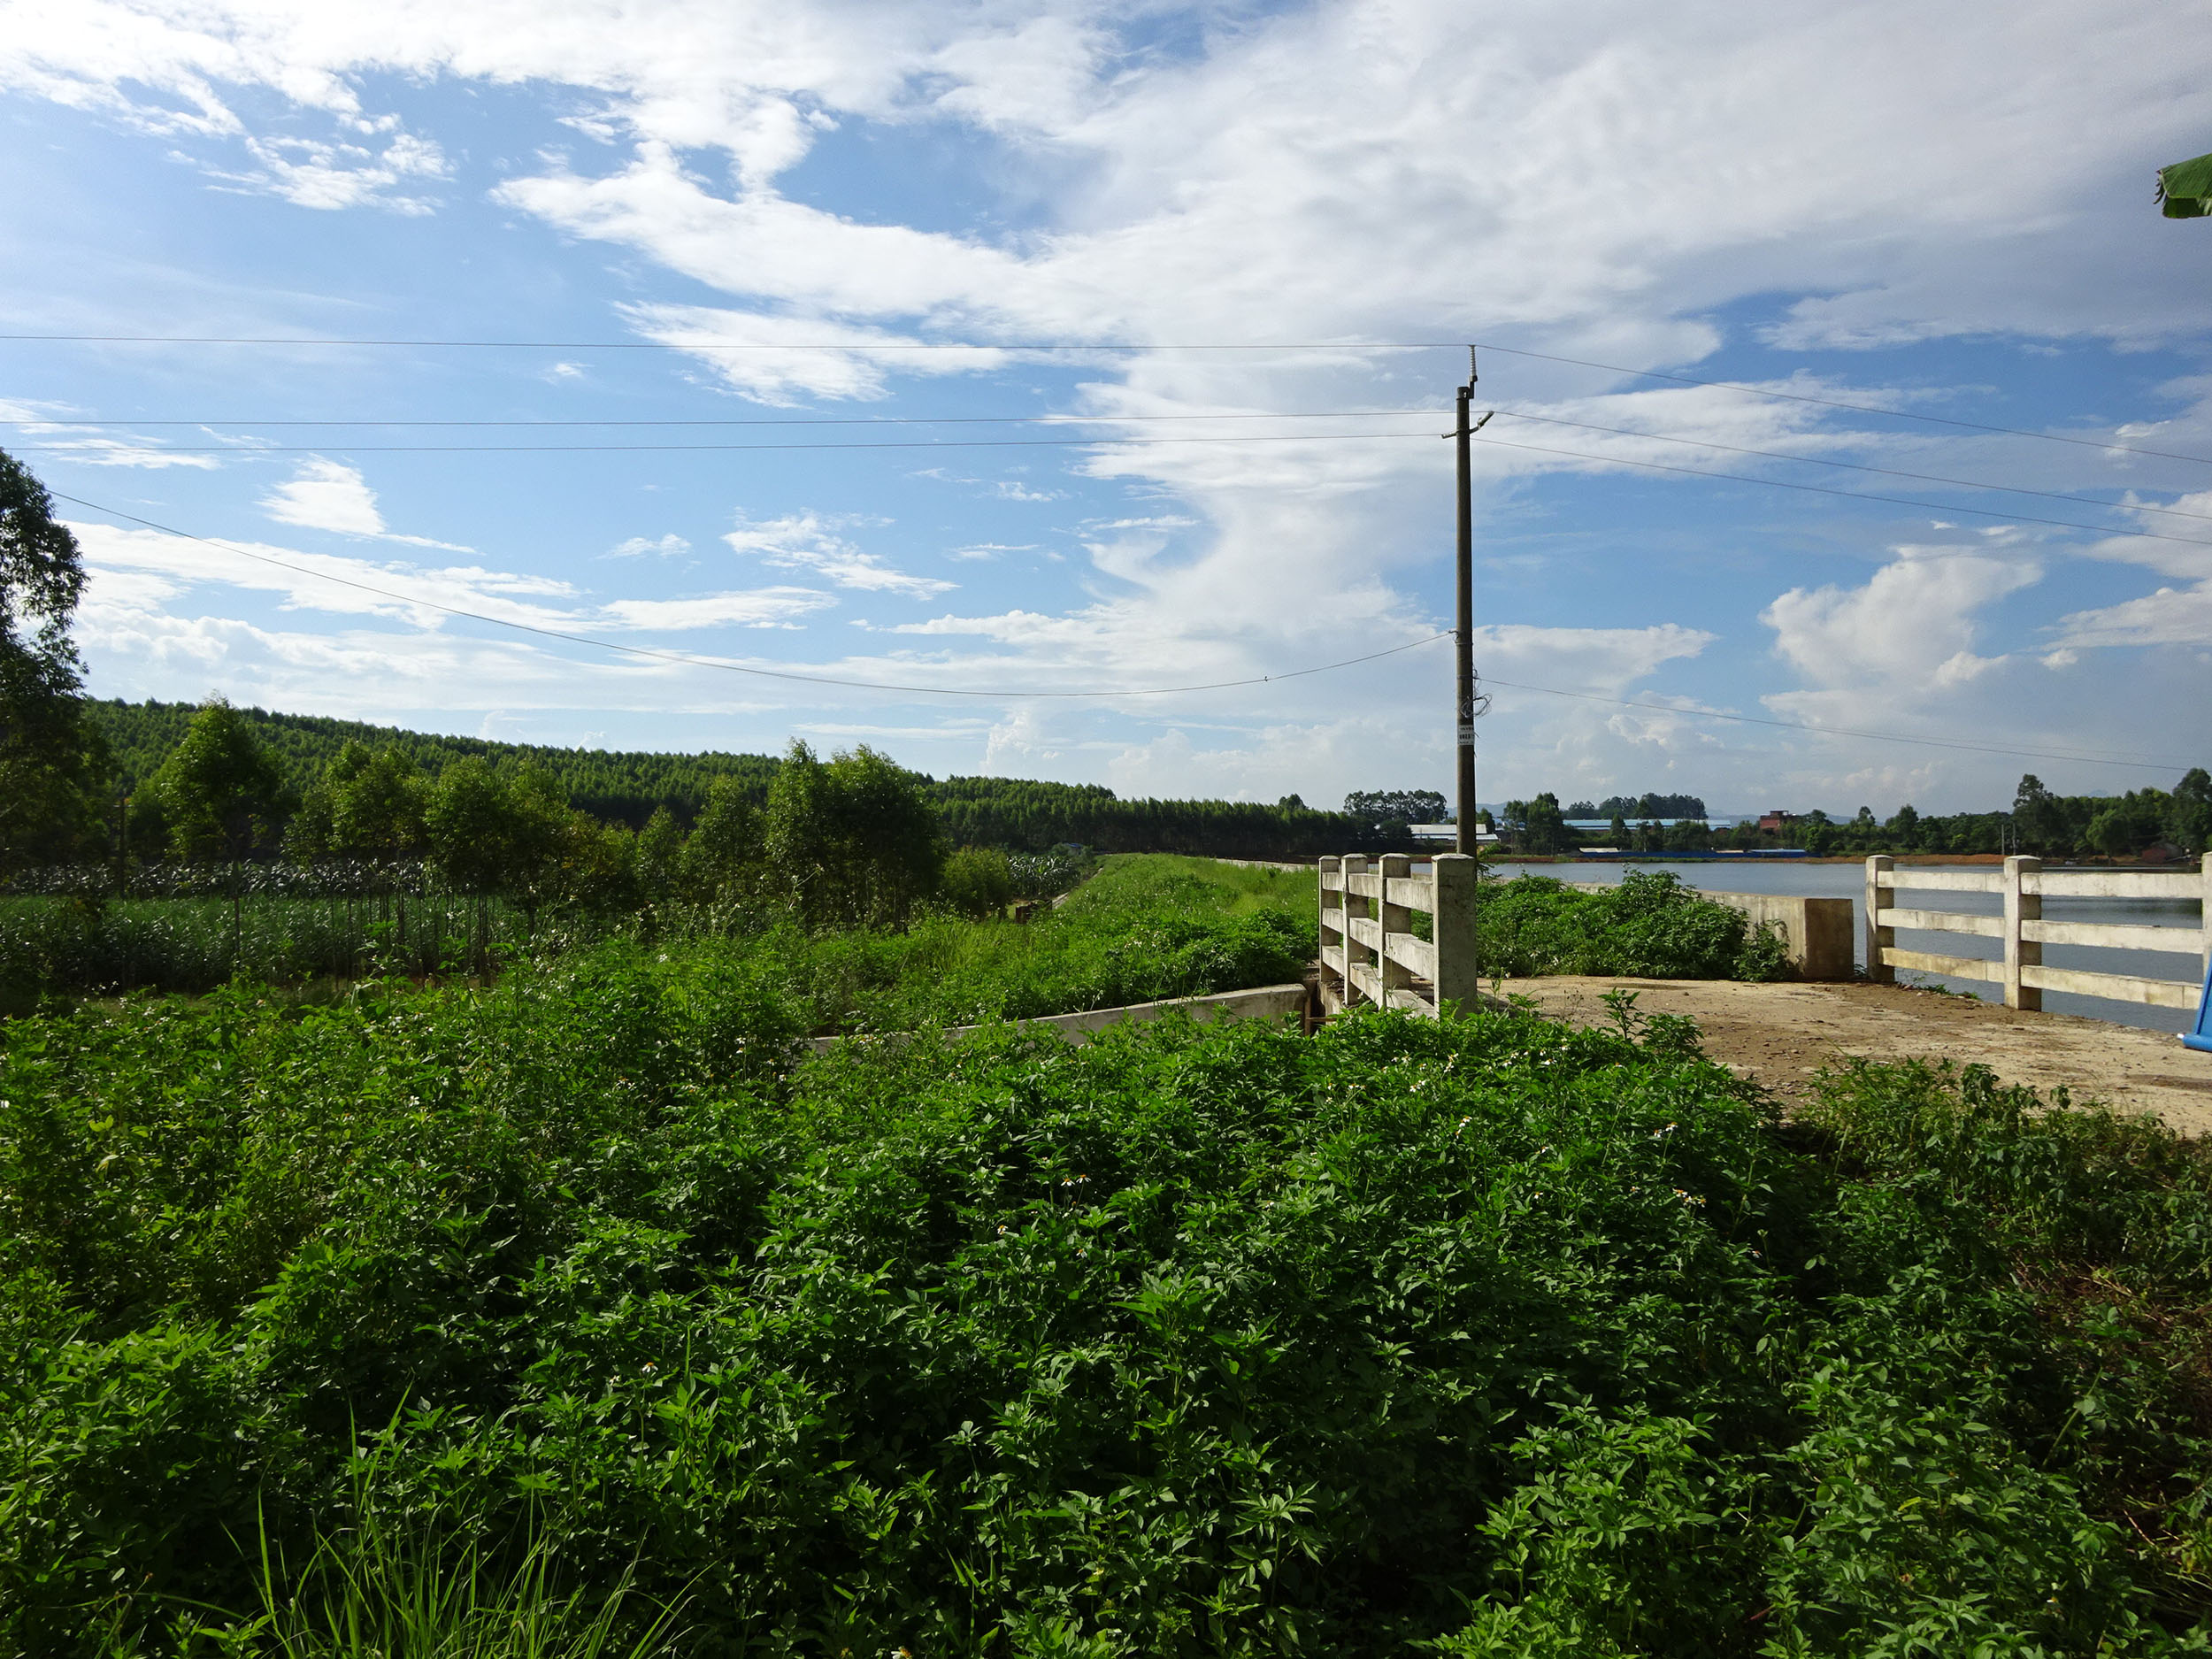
x: 50, y: 760
x: 722, y: 860
x: 1396, y: 806
x: 377, y: 807
x: 2189, y: 812
x: 222, y: 795
x: 856, y: 837
x: 660, y: 850
x: 493, y: 834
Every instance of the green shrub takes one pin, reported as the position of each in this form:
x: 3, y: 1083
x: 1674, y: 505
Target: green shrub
x: 1471, y: 1337
x: 978, y: 881
x: 1651, y: 925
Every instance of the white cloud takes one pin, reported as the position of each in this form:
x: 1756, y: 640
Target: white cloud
x: 311, y: 173
x: 758, y: 608
x: 331, y: 495
x: 777, y: 360
x: 808, y: 541
x: 670, y: 546
x: 1916, y: 621
x: 147, y: 568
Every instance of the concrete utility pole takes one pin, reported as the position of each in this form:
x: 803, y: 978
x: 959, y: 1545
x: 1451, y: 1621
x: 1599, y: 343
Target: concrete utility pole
x: 1465, y: 624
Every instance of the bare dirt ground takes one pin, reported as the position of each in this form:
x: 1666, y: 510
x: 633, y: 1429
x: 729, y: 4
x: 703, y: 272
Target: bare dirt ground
x: 1781, y: 1034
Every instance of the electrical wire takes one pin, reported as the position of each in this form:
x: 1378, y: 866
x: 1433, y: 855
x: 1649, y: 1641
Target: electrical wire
x: 1036, y: 443
x: 1106, y: 347
x: 1854, y: 467
x: 1851, y: 494
x: 1058, y: 420
x: 683, y: 448
x: 730, y: 667
x: 766, y: 420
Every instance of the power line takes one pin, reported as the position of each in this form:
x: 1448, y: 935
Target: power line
x: 1108, y: 347
x: 1854, y: 466
x: 761, y: 420
x: 710, y: 662
x: 68, y: 451
x: 1852, y: 494
x: 248, y: 451
x: 861, y: 685
x: 1839, y: 731
x: 1039, y: 443
x: 1864, y: 409
x: 990, y: 420
x: 631, y: 423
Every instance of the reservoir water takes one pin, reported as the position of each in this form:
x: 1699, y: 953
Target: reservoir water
x: 1848, y: 881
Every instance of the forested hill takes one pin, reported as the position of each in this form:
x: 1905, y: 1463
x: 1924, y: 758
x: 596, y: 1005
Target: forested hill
x: 627, y: 787
x: 618, y: 786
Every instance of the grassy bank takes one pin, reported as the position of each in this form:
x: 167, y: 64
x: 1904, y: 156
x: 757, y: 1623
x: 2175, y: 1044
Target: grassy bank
x: 1482, y: 1337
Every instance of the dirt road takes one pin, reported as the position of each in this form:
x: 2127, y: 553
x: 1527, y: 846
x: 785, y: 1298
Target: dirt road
x: 1782, y: 1033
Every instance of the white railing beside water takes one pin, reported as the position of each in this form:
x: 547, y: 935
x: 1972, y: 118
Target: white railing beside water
x: 2023, y: 883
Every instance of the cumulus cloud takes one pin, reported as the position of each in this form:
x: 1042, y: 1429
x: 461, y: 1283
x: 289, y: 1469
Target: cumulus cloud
x: 1914, y: 621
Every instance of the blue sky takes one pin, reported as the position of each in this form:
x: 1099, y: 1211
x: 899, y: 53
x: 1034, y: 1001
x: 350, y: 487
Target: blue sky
x: 1920, y: 215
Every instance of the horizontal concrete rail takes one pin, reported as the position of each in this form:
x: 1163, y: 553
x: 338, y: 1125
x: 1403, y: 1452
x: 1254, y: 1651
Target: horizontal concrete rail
x: 1946, y: 881
x: 1268, y: 1001
x: 1951, y: 967
x: 2118, y: 987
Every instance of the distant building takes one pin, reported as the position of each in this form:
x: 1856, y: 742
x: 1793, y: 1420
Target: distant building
x: 1776, y: 821
x: 1447, y: 835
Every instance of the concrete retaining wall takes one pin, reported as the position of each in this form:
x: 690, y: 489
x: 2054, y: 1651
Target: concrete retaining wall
x: 1269, y: 1001
x: 1817, y: 932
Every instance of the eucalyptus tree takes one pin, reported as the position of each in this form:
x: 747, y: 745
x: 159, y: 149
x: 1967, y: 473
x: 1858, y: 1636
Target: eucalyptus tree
x: 222, y: 797
x: 720, y: 862
x: 855, y: 839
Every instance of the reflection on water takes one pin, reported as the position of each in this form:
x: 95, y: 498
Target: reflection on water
x: 1848, y: 881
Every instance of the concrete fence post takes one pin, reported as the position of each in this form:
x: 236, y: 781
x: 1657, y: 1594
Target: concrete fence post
x: 1879, y: 896
x: 2204, y: 922
x: 2022, y: 906
x: 1393, y: 919
x: 1458, y: 981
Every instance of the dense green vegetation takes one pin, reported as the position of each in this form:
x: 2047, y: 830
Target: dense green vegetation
x: 1650, y: 925
x: 1480, y: 1337
x: 1137, y: 932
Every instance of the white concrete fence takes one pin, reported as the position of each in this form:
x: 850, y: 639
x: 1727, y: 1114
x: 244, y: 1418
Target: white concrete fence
x: 1369, y: 951
x: 2024, y: 884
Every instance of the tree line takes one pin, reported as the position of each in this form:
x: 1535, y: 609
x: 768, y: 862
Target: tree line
x: 2040, y: 822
